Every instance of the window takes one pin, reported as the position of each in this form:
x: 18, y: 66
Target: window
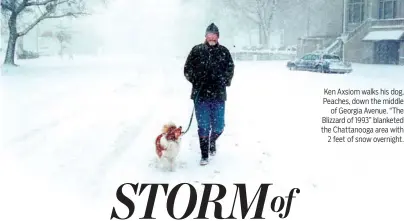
x: 311, y: 57
x: 315, y: 57
x: 306, y: 57
x: 387, y: 9
x: 330, y: 57
x: 356, y: 12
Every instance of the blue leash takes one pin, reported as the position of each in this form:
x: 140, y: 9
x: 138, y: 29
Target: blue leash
x: 190, y: 121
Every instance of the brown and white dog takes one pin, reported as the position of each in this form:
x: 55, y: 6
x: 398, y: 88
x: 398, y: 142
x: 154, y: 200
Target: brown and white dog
x: 168, y: 145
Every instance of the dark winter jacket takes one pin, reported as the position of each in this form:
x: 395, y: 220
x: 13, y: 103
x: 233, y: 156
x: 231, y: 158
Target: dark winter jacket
x: 212, y: 68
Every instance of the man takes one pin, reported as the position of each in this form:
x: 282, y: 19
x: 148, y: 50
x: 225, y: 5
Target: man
x: 210, y: 68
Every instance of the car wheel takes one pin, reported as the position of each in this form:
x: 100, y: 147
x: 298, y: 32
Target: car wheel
x: 293, y: 67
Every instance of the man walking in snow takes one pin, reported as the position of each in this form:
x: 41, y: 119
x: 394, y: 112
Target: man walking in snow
x: 210, y: 68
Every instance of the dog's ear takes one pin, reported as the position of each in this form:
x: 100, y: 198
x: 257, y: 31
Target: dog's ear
x: 165, y: 129
x: 168, y: 126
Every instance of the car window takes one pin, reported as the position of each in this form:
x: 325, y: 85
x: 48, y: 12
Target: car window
x: 315, y: 57
x: 306, y: 57
x: 331, y: 57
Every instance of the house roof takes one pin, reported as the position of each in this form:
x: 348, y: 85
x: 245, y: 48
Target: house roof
x: 319, y: 37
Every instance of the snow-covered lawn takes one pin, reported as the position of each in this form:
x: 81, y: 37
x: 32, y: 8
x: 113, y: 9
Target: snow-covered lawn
x: 73, y: 131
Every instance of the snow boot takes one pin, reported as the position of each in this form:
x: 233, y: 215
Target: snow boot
x: 204, y: 145
x: 204, y: 161
x: 212, y: 143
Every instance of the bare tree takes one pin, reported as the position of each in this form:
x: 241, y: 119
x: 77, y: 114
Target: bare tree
x: 44, y: 9
x: 261, y: 12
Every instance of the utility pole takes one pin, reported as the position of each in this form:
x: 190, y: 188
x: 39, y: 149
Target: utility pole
x: 344, y: 16
x: 37, y: 38
x: 344, y: 30
x: 308, y: 19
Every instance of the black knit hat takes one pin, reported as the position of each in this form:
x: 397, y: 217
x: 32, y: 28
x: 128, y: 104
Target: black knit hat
x: 212, y: 28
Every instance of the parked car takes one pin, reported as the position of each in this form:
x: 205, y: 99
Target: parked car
x: 323, y: 63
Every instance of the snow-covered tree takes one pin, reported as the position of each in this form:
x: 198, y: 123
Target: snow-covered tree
x: 35, y: 11
x: 261, y: 12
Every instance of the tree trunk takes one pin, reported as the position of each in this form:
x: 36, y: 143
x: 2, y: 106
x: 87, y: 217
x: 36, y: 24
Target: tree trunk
x: 263, y: 36
x: 12, y: 40
x: 268, y: 37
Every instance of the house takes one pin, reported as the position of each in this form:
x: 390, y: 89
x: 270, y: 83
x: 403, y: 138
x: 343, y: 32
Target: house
x: 363, y: 31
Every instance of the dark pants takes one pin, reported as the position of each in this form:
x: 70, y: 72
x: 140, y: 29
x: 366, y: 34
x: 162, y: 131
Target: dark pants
x: 210, y: 118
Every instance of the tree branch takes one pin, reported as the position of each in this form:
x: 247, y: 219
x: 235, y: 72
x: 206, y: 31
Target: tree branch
x: 45, y: 2
x: 7, y: 5
x: 31, y: 26
x: 73, y: 14
x: 272, y: 11
x: 61, y: 2
x: 269, y: 13
x: 47, y: 15
x: 262, y: 3
x: 258, y: 8
x: 21, y: 6
x: 251, y: 15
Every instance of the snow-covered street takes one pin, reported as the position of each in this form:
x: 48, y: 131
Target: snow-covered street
x: 73, y: 131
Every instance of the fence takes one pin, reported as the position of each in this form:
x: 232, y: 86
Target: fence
x: 263, y: 55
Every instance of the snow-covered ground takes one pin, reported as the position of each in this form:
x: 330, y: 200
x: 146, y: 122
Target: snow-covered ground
x: 73, y: 131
